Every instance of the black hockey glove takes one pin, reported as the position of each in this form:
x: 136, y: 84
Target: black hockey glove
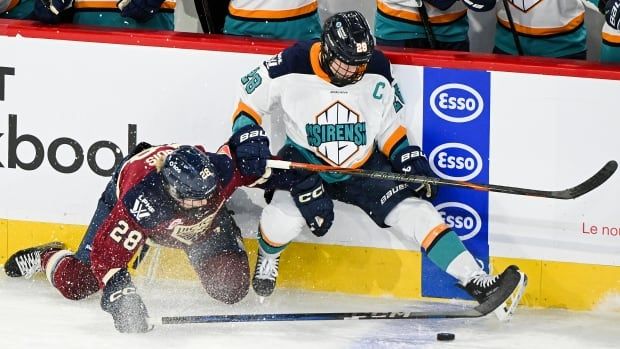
x: 121, y: 300
x: 412, y: 160
x: 480, y: 5
x: 611, y: 10
x: 314, y: 204
x: 140, y: 10
x: 251, y: 147
x: 52, y: 12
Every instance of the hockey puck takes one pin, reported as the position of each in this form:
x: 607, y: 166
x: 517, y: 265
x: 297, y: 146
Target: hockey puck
x: 445, y: 336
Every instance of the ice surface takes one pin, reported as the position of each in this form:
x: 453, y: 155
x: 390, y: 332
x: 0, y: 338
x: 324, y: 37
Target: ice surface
x: 34, y: 315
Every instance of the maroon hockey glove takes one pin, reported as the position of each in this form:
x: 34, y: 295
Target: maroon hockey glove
x: 124, y: 304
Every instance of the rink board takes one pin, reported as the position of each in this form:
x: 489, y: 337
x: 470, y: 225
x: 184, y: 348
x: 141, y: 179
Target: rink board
x: 551, y: 127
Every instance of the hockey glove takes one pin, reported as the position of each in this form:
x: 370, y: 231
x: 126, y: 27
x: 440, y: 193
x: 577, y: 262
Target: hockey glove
x: 611, y: 10
x: 51, y: 12
x: 480, y: 5
x: 314, y: 204
x: 121, y: 300
x: 251, y: 147
x: 140, y: 10
x: 412, y: 161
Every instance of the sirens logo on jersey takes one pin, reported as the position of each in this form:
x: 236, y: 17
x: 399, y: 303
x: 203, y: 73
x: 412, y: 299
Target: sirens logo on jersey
x: 462, y: 218
x: 337, y: 134
x: 456, y: 102
x: 456, y: 161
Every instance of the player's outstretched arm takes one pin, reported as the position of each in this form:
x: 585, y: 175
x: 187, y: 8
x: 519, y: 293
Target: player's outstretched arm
x: 121, y: 300
x: 251, y: 148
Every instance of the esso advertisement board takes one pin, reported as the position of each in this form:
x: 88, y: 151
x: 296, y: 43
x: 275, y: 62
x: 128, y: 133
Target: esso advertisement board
x: 456, y: 140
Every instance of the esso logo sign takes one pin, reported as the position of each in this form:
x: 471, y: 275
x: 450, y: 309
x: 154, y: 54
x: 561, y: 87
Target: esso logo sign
x: 456, y: 161
x: 456, y: 103
x: 463, y: 219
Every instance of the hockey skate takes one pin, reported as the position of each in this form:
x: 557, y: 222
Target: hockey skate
x: 499, y: 294
x: 265, y: 273
x: 28, y: 261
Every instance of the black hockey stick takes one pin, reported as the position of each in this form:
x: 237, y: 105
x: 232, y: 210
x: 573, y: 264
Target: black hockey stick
x: 515, y: 35
x: 454, y: 314
x: 204, y: 16
x: 430, y: 35
x: 571, y: 193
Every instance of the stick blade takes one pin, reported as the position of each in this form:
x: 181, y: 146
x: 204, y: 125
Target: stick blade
x: 590, y: 184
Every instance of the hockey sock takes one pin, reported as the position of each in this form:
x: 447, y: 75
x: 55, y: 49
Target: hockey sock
x: 72, y: 278
x: 267, y: 247
x: 448, y: 252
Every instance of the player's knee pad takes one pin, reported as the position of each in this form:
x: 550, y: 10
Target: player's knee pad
x: 226, y: 276
x: 72, y: 278
x: 281, y: 220
x: 414, y: 218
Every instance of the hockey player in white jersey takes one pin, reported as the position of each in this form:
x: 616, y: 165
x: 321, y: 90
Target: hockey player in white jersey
x: 341, y: 106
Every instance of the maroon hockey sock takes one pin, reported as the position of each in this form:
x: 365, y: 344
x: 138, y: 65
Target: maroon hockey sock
x: 69, y: 275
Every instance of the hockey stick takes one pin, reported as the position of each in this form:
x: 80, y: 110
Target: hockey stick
x: 571, y: 193
x: 412, y: 315
x: 204, y: 16
x: 430, y: 35
x: 515, y: 35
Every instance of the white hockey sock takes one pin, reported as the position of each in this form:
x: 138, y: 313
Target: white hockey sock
x: 464, y: 267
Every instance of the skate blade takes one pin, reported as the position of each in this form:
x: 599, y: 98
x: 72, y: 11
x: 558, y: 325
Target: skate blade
x: 505, y: 311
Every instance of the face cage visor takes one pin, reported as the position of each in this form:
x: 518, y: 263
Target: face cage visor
x: 187, y: 203
x: 341, y: 73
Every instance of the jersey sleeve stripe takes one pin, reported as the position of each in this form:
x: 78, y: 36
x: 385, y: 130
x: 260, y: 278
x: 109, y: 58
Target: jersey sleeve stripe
x: 434, y: 236
x: 245, y: 110
x: 522, y: 29
x: 12, y: 5
x: 275, y: 14
x: 397, y: 137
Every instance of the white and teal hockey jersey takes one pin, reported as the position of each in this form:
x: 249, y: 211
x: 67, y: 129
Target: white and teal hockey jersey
x: 339, y: 126
x: 277, y: 19
x: 548, y: 28
x: 401, y: 20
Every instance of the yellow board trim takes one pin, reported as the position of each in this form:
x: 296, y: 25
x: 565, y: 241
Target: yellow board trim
x: 356, y: 270
x: 4, y: 238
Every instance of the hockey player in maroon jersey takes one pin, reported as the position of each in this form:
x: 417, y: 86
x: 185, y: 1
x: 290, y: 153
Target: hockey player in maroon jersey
x: 173, y: 195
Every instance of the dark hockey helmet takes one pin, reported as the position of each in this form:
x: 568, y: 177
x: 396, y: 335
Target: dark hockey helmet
x: 346, y: 37
x: 189, y: 174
